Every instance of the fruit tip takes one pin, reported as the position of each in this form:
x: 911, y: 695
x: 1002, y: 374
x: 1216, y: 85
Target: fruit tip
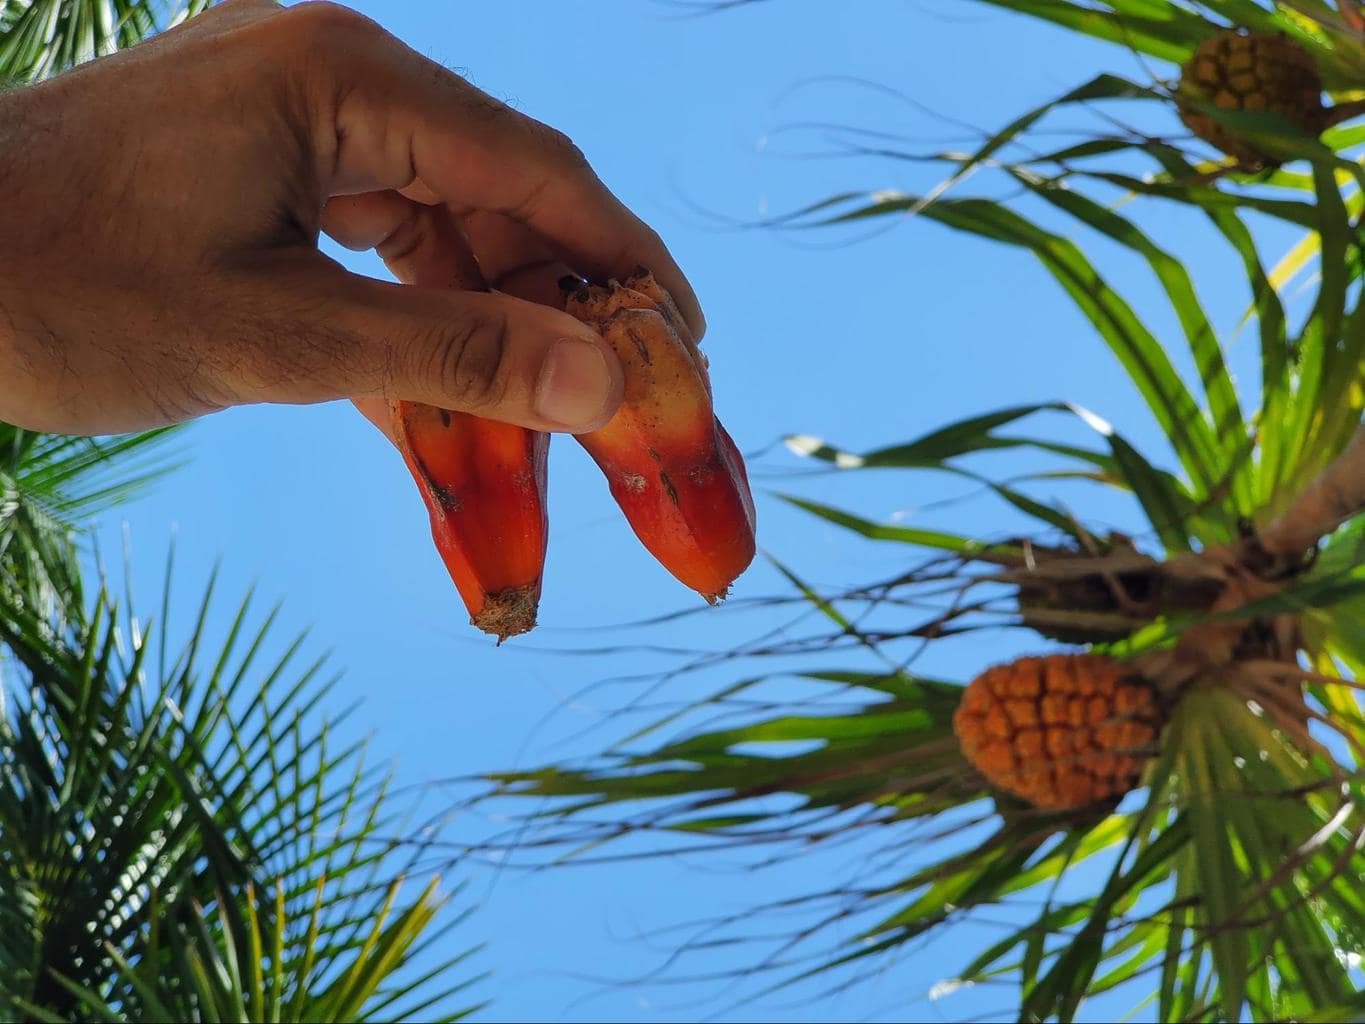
x: 508, y: 613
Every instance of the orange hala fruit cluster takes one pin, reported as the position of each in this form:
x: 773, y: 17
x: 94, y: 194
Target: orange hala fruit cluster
x: 672, y: 468
x: 1061, y: 731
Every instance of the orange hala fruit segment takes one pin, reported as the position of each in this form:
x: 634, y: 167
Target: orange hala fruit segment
x: 483, y: 483
x: 1237, y: 70
x: 671, y: 466
x: 1061, y: 731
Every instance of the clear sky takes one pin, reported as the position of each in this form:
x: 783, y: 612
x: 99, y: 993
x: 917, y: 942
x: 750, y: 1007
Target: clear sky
x: 866, y: 344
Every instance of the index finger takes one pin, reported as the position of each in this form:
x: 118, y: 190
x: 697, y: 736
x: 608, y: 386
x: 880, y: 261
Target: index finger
x: 402, y: 119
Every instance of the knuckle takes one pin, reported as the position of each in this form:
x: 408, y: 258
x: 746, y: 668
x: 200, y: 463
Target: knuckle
x: 472, y: 357
x: 297, y: 35
x: 325, y: 17
x: 565, y: 149
x: 323, y: 32
x: 650, y: 241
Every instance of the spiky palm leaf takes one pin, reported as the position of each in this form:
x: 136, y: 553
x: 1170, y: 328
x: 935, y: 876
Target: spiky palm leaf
x: 1333, y: 32
x: 147, y: 797
x: 1227, y: 884
x: 41, y: 37
x: 1169, y: 30
x: 50, y: 487
x: 256, y: 974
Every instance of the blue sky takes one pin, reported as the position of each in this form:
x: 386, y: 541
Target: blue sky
x: 689, y: 119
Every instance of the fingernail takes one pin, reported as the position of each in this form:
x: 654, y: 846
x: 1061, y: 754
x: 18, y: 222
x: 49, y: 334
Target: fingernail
x: 575, y: 385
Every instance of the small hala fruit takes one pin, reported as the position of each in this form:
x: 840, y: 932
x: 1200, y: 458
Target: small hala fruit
x: 483, y: 483
x: 1062, y: 731
x: 671, y: 466
x: 1250, y: 71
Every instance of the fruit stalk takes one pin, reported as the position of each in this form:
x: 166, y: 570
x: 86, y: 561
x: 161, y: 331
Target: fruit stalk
x: 1333, y: 497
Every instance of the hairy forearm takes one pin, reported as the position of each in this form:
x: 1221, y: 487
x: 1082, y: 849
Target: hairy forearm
x: 27, y: 128
x: 12, y: 103
x: 31, y: 353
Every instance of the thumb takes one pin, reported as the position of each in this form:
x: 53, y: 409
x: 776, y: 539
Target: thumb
x: 478, y: 352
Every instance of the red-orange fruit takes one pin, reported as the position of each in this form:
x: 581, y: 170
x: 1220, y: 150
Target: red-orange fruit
x: 1061, y: 731
x: 484, y: 487
x: 671, y: 466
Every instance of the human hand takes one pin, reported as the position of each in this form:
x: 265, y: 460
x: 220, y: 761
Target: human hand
x: 162, y: 208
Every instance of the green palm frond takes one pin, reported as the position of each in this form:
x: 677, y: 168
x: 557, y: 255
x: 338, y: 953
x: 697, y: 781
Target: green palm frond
x: 39, y: 38
x: 73, y: 478
x: 50, y: 486
x: 203, y: 969
x: 147, y: 796
x: 1235, y: 865
x: 1169, y: 30
x: 1311, y: 396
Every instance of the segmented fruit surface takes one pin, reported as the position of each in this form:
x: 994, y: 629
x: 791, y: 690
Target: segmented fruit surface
x: 671, y: 466
x: 1061, y: 731
x: 1253, y: 71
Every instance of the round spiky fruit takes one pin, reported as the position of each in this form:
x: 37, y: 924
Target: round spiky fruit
x: 1062, y: 731
x: 1253, y: 71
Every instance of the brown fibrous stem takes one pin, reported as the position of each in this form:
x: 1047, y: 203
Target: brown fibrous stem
x: 1334, y: 496
x: 1339, y: 112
